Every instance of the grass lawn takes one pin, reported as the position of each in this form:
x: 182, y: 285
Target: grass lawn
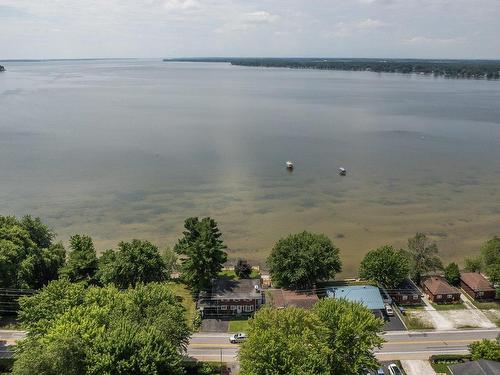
x: 254, y: 275
x: 441, y: 368
x: 495, y: 305
x: 238, y: 325
x: 414, y: 322
x: 449, y: 306
x: 184, y: 293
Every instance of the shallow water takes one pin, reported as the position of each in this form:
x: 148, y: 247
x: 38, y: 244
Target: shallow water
x: 129, y: 148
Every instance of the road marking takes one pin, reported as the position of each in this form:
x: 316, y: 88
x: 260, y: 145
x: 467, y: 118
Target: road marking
x: 425, y: 342
x: 214, y: 346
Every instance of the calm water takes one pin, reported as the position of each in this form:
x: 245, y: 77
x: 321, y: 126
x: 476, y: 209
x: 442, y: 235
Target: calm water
x: 123, y: 149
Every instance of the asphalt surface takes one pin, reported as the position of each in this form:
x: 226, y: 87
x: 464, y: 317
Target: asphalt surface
x: 398, y: 345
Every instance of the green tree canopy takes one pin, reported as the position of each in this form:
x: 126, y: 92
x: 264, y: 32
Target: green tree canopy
x: 485, y: 349
x: 136, y: 331
x: 302, y: 259
x: 202, y: 252
x: 336, y: 337
x: 353, y: 333
x: 423, y: 256
x: 171, y: 260
x: 28, y: 257
x: 473, y: 264
x: 490, y: 254
x: 452, y: 274
x: 82, y: 259
x: 135, y: 262
x: 40, y: 310
x: 242, y: 269
x: 385, y: 265
x: 287, y: 341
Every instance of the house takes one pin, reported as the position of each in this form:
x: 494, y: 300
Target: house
x: 367, y: 295
x: 438, y: 290
x: 481, y: 367
x: 406, y: 293
x: 476, y: 286
x: 229, y: 297
x: 281, y: 298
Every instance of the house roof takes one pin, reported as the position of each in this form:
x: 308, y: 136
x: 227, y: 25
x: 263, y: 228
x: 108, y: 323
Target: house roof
x: 476, y: 281
x: 481, y: 367
x: 282, y: 298
x: 227, y: 288
x: 406, y: 287
x: 438, y: 285
x: 368, y: 295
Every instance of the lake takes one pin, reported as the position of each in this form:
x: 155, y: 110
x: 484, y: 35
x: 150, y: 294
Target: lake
x: 123, y: 149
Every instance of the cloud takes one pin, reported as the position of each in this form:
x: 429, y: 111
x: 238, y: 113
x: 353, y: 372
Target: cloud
x: 181, y: 5
x: 430, y: 40
x: 345, y: 29
x: 369, y: 24
x: 248, y: 21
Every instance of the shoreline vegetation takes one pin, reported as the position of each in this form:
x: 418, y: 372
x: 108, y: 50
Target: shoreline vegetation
x: 461, y: 69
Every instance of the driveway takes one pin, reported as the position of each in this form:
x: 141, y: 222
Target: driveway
x: 417, y: 367
x: 393, y: 323
x: 439, y: 321
x: 214, y: 325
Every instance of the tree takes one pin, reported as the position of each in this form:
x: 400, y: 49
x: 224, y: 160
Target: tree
x: 171, y: 261
x: 485, y: 349
x: 353, y: 333
x: 300, y: 260
x: 385, y: 265
x: 28, y: 257
x: 135, y: 262
x: 82, y: 259
x: 473, y: 264
x: 38, y: 312
x: 243, y: 269
x: 202, y: 252
x: 490, y: 254
x: 287, y: 341
x: 423, y: 256
x: 137, y: 331
x: 452, y: 274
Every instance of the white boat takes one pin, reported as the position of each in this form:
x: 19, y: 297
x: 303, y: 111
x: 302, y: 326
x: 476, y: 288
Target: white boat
x: 342, y: 171
x: 289, y: 164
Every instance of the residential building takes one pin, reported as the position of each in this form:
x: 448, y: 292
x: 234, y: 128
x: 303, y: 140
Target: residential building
x: 229, y: 297
x: 437, y: 289
x: 281, y: 298
x: 406, y: 293
x: 481, y: 367
x: 367, y: 295
x: 476, y: 286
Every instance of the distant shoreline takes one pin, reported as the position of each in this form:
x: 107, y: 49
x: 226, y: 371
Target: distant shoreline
x: 459, y: 69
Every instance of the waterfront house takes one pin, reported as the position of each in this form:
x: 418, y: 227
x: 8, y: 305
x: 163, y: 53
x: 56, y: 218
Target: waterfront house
x: 406, y: 293
x: 437, y: 289
x: 282, y: 298
x: 367, y: 295
x: 476, y: 286
x: 229, y: 297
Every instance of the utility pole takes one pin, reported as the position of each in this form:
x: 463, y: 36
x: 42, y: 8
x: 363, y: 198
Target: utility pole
x: 220, y: 361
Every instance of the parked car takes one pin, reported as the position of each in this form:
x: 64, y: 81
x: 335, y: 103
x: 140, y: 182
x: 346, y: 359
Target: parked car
x: 394, y: 369
x: 402, y: 309
x: 380, y: 371
x: 237, y: 338
x: 389, y: 311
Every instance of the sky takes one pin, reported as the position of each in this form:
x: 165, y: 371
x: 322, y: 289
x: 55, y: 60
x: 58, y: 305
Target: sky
x: 38, y: 29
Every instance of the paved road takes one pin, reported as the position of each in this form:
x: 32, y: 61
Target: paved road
x: 398, y: 345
